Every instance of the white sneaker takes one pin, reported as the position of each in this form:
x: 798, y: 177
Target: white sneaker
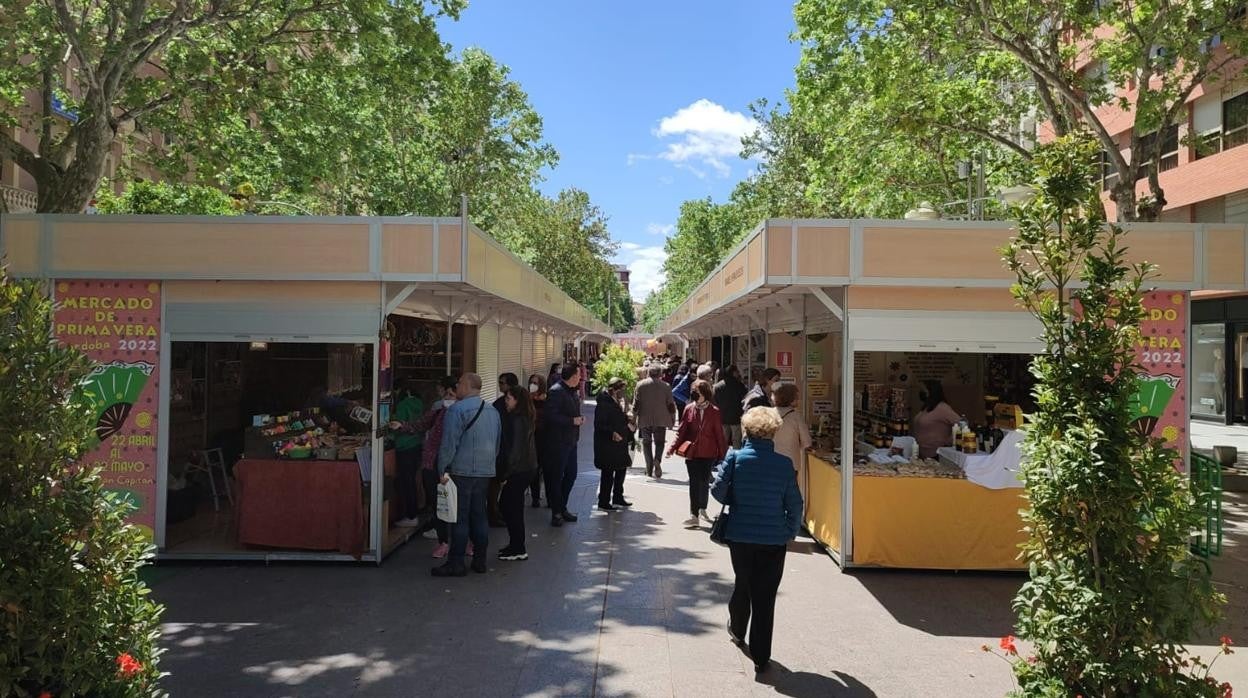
x: 692, y: 522
x: 431, y: 533
x: 407, y: 523
x: 705, y: 516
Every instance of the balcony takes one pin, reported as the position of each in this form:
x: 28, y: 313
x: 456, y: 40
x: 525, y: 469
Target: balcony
x: 18, y: 200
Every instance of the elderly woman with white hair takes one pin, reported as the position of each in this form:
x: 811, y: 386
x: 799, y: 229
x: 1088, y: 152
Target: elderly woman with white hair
x: 759, y: 486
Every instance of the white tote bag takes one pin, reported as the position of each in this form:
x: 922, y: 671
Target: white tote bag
x: 448, y: 501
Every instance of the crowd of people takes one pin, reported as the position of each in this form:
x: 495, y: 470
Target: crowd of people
x: 743, y: 445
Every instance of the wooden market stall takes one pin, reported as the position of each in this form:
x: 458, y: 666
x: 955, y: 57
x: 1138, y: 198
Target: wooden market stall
x: 245, y: 364
x: 859, y: 313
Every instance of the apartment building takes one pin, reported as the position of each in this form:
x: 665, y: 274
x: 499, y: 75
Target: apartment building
x: 1203, y: 170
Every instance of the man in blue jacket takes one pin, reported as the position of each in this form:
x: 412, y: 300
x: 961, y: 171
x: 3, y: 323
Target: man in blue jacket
x: 563, y: 420
x: 470, y: 438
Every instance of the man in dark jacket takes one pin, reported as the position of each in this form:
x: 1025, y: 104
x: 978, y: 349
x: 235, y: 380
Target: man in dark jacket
x: 563, y: 420
x: 760, y: 394
x: 506, y: 382
x: 612, y: 435
x: 729, y: 396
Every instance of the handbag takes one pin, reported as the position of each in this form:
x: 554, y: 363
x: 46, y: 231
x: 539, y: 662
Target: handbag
x: 719, y: 527
x: 683, y: 449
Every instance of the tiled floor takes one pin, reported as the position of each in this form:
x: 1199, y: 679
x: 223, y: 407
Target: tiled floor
x: 620, y: 604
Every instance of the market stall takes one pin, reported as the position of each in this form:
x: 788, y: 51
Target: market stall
x: 248, y: 364
x: 859, y: 313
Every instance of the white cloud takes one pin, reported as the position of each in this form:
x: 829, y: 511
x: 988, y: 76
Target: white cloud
x: 646, y: 266
x: 707, y: 134
x: 660, y: 229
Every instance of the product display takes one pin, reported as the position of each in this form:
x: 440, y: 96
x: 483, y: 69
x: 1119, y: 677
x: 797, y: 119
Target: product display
x: 301, y: 434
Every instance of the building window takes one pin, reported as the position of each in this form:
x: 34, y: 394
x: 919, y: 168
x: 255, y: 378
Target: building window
x: 1207, y: 143
x: 1168, y: 150
x: 1235, y: 121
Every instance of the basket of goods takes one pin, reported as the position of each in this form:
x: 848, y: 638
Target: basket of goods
x: 299, y: 452
x: 326, y: 453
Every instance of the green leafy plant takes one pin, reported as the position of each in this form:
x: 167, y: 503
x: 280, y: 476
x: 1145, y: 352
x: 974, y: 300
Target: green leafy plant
x: 618, y: 361
x: 169, y: 198
x: 1114, y: 590
x: 75, y: 619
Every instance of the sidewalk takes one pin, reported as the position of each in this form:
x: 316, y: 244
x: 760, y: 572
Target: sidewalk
x: 620, y: 604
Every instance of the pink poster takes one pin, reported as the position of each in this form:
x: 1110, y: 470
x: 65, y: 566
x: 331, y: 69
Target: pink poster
x: 1161, y: 357
x: 117, y: 325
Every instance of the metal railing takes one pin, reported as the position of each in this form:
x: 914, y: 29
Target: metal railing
x: 18, y: 200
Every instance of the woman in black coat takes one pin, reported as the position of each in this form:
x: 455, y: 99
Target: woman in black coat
x: 612, y: 434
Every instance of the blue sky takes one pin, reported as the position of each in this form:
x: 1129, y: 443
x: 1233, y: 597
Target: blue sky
x: 645, y: 101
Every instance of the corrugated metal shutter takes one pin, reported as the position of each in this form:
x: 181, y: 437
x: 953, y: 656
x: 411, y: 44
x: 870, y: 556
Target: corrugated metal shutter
x: 537, y: 353
x: 509, y: 361
x: 1182, y: 214
x: 1211, y: 211
x: 1207, y: 114
x: 1237, y: 207
x: 487, y: 360
x: 526, y: 356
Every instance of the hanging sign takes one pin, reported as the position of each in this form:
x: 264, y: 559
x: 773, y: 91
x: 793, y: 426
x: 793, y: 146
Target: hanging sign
x: 117, y: 325
x: 1161, y: 359
x: 814, y: 372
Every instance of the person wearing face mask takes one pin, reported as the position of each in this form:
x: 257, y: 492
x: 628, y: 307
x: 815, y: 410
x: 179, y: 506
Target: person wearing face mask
x: 432, y: 426
x: 760, y: 394
x: 537, y: 393
x: 933, y: 427
x: 703, y: 429
x: 612, y: 435
x: 519, y: 460
x: 408, y: 441
x: 506, y: 382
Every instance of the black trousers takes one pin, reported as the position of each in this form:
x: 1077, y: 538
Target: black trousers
x: 699, y: 483
x: 560, y: 477
x: 758, y: 569
x: 535, y: 482
x: 408, y: 483
x: 611, y: 487
x: 511, y: 502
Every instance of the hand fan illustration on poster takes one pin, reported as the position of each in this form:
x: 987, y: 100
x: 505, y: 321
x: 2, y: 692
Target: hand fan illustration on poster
x: 113, y: 389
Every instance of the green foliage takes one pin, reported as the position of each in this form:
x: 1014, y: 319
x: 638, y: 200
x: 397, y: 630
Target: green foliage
x: 618, y: 361
x: 170, y: 198
x: 71, y: 602
x: 892, y: 94
x: 199, y: 70
x: 1113, y: 588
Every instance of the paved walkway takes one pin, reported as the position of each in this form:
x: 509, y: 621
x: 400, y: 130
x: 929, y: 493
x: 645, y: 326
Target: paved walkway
x: 620, y: 604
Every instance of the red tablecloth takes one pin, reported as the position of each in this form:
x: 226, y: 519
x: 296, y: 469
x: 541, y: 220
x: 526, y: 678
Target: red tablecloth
x: 301, y: 504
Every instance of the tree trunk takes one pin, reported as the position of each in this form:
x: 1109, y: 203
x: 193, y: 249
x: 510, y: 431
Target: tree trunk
x: 69, y: 190
x: 1131, y: 209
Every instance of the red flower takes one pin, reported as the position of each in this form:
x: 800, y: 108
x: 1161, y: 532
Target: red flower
x: 1226, y: 644
x: 45, y: 694
x: 1033, y: 660
x: 128, y: 665
x: 1226, y: 690
x: 1007, y: 644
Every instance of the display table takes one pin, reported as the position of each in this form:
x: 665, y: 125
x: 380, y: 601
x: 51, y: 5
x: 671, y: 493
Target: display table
x: 918, y: 522
x: 996, y: 470
x: 301, y: 504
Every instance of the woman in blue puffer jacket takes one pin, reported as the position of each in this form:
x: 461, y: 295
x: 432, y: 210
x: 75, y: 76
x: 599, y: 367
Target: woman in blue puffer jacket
x: 760, y: 488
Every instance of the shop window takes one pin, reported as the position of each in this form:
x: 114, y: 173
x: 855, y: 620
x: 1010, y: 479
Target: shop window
x: 1235, y: 121
x: 1209, y: 370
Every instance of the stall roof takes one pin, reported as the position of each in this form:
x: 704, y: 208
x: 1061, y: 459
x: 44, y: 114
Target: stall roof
x: 404, y: 253
x: 882, y: 263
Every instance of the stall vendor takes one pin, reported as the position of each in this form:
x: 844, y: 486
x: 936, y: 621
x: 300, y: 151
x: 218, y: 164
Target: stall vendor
x: 933, y: 427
